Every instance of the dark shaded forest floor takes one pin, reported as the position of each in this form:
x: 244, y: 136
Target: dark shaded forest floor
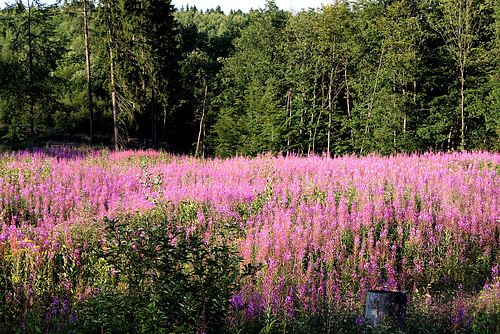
x: 59, y: 138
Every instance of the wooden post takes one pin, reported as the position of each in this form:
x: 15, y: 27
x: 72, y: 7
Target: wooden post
x: 382, y: 306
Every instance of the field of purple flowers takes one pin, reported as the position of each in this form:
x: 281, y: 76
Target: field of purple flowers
x: 317, y: 233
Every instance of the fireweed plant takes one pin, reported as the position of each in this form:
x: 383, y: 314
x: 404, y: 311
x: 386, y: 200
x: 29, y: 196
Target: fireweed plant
x: 100, y: 241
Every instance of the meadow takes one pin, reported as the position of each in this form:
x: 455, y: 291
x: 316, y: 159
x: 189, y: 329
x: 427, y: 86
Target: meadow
x: 145, y: 241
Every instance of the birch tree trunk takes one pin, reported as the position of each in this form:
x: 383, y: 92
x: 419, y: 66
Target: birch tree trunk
x: 201, y: 120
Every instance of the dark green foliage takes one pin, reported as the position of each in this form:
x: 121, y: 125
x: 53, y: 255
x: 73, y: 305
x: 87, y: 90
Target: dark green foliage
x: 253, y: 94
x: 29, y: 50
x: 206, y: 42
x: 372, y: 76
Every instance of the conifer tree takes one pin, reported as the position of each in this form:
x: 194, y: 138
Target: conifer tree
x: 29, y: 54
x: 142, y: 52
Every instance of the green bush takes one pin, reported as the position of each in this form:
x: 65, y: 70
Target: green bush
x: 163, y: 279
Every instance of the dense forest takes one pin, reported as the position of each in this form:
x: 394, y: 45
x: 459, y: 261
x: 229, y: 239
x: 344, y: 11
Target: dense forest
x: 353, y: 77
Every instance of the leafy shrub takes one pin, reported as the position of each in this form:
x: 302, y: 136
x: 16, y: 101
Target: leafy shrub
x: 163, y: 278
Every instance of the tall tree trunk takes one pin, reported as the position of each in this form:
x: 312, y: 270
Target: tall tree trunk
x: 113, y: 100
x: 32, y: 98
x: 329, y: 133
x: 448, y: 147
x: 330, y: 106
x: 154, y: 137
x: 113, y: 87
x: 313, y: 112
x: 289, y: 121
x: 394, y: 141
x: 201, y: 121
x: 462, y: 109
x: 87, y: 61
x: 146, y: 126
x: 348, y: 101
x: 144, y: 84
x: 372, y: 101
x: 459, y: 30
